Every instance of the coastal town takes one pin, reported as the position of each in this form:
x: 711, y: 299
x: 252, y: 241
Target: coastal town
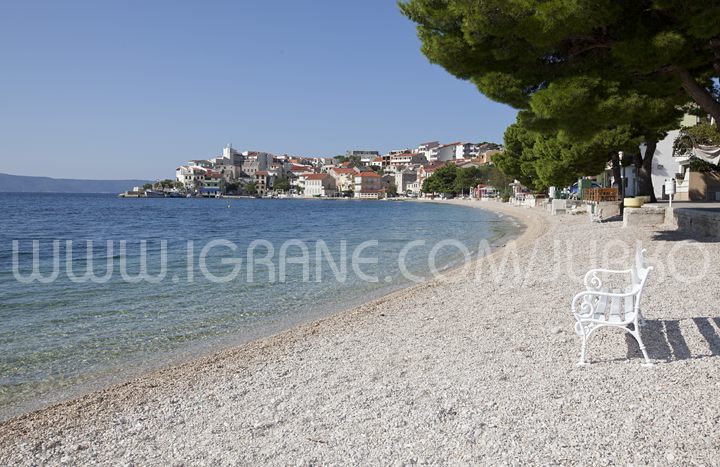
x: 360, y: 174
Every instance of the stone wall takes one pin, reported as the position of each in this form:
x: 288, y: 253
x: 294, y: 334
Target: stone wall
x: 647, y: 215
x: 696, y: 222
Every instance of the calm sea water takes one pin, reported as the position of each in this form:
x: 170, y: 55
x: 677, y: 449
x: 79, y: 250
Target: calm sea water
x: 66, y: 335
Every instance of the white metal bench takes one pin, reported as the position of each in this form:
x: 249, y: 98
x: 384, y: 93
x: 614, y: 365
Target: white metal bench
x: 599, y: 306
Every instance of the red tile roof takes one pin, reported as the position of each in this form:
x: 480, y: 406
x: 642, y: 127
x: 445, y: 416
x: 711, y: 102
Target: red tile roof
x: 433, y: 166
x: 261, y: 172
x: 315, y: 176
x: 343, y: 170
x: 367, y: 174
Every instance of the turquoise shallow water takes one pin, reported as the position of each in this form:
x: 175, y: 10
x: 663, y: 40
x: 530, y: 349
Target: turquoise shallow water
x: 65, y: 334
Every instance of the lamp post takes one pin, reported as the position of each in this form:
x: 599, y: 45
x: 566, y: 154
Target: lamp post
x: 621, y: 156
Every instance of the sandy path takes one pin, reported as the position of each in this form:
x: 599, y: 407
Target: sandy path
x: 476, y: 367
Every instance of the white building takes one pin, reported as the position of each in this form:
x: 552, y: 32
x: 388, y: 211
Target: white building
x: 404, y: 178
x: 450, y: 152
x: 664, y: 165
x: 429, y: 150
x: 319, y: 185
x: 400, y: 161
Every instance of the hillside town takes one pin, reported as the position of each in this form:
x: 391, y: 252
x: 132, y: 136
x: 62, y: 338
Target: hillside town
x: 360, y: 174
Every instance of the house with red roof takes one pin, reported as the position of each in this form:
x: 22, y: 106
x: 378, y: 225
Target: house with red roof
x: 369, y: 185
x: 344, y: 178
x: 377, y: 162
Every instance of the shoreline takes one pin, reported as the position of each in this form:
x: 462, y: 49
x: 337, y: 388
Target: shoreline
x: 168, y: 360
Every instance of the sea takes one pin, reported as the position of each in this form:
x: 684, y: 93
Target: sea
x: 96, y: 289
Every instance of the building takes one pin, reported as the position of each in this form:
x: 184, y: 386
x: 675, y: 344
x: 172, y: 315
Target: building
x: 365, y: 156
x: 191, y: 176
x: 319, y: 185
x: 344, y: 178
x: 664, y: 165
x: 487, y: 156
x: 450, y: 152
x: 429, y: 150
x: 404, y: 178
x: 464, y: 164
x: 263, y: 182
x: 369, y: 185
x: 203, y: 180
x: 250, y: 167
x: 406, y: 159
x: 213, y: 184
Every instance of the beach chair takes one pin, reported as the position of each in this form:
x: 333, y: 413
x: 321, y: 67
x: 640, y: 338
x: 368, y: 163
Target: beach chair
x: 598, y: 306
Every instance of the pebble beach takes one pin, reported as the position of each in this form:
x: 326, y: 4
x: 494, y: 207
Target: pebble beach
x: 476, y: 366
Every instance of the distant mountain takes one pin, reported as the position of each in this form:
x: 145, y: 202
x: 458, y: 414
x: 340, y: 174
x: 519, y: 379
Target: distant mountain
x: 22, y: 183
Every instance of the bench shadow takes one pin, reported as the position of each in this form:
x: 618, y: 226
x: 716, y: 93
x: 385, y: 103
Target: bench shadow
x: 679, y: 236
x: 664, y: 340
x: 617, y: 218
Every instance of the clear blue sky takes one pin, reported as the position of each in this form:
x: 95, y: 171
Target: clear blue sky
x: 131, y: 89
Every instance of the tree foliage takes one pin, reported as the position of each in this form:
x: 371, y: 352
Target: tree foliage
x: 250, y: 188
x: 514, y: 49
x: 692, y: 136
x: 467, y: 178
x: 281, y: 183
x: 451, y: 179
x: 689, y: 136
x: 585, y: 74
x: 540, y: 160
x: 231, y: 187
x: 442, y: 180
x: 391, y: 189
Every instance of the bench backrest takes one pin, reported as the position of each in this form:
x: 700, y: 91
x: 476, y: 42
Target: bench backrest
x: 639, y: 272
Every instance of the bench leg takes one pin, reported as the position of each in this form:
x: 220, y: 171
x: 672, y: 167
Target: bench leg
x: 583, y: 350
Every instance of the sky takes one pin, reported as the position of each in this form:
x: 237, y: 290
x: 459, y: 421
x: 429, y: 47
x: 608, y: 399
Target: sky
x: 132, y: 89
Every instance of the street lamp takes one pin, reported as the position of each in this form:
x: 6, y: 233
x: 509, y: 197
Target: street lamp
x: 621, y: 156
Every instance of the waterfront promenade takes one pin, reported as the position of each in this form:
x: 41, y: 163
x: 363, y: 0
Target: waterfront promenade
x: 474, y: 367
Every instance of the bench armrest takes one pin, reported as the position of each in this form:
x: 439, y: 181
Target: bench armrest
x: 592, y: 279
x: 588, y: 295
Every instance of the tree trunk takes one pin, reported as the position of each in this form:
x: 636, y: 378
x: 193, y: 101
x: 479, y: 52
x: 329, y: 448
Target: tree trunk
x: 643, y: 171
x: 699, y: 94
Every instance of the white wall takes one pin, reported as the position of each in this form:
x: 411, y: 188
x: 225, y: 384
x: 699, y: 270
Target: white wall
x: 664, y: 165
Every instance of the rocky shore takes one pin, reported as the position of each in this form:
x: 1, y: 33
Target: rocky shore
x: 475, y: 367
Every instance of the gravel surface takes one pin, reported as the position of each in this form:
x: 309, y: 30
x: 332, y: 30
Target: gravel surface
x: 475, y: 367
